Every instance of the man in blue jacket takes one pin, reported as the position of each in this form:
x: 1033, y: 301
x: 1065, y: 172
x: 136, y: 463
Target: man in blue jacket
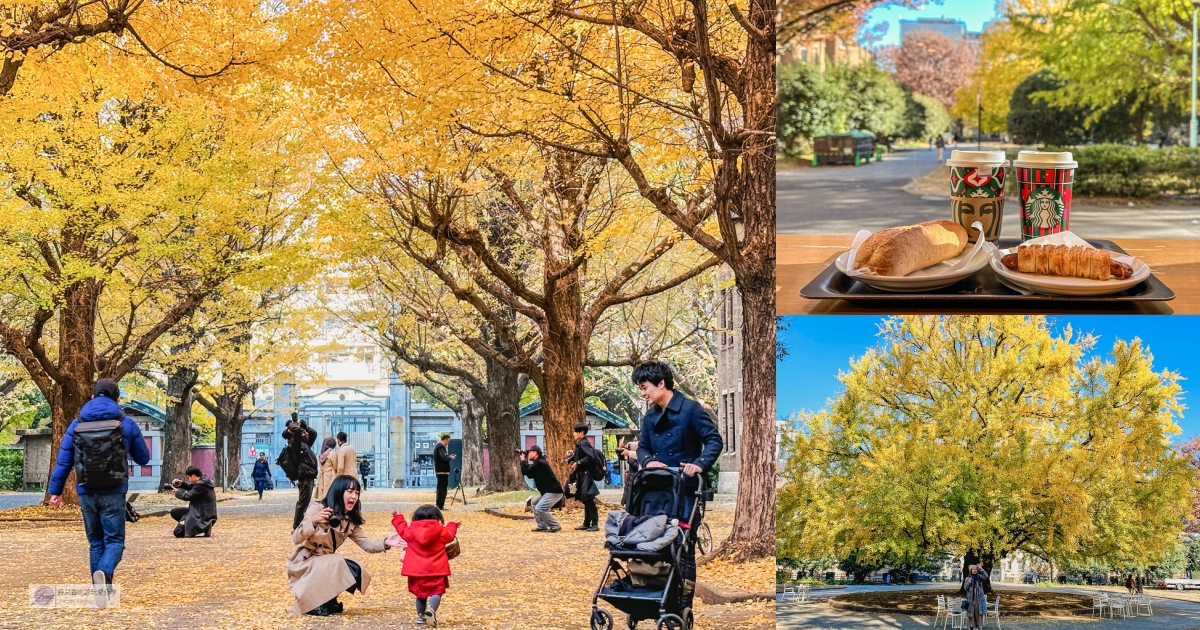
x: 103, y: 508
x: 676, y: 433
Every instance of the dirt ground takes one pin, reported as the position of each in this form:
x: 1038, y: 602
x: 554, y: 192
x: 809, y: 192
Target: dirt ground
x: 507, y: 576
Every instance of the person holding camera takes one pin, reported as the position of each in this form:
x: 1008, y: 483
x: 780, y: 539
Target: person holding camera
x: 535, y: 466
x: 317, y: 574
x: 299, y: 462
x: 441, y: 468
x: 198, y: 518
x: 628, y: 454
x: 588, y: 462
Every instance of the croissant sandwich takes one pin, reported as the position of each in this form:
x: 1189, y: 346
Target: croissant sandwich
x: 900, y: 251
x: 1074, y: 261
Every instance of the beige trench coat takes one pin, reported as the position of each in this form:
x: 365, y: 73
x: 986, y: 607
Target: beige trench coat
x: 315, y: 573
x: 326, y: 474
x: 347, y: 460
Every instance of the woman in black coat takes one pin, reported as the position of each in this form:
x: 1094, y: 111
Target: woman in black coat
x: 261, y: 475
x: 585, y: 459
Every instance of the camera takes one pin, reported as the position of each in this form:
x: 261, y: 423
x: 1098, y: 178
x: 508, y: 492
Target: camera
x: 168, y: 487
x: 519, y: 452
x: 334, y: 520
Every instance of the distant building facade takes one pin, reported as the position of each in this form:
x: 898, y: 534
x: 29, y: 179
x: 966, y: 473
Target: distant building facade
x: 825, y: 51
x: 729, y: 379
x: 953, y: 29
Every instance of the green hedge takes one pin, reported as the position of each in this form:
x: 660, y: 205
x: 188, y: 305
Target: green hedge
x: 1113, y: 170
x: 12, y: 464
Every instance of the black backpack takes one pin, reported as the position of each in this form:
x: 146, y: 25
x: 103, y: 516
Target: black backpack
x: 297, y: 461
x: 100, y: 459
x: 599, y: 465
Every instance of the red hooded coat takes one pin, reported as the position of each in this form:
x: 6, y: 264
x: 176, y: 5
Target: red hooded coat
x: 425, y: 555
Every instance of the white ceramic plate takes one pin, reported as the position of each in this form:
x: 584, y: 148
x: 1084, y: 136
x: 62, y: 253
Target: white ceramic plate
x: 1070, y: 287
x: 927, y: 279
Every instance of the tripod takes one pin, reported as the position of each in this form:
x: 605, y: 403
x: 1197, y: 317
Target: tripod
x: 458, y: 489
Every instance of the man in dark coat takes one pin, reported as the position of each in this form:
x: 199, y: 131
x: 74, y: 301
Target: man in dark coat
x: 261, y: 475
x: 199, y: 516
x: 103, y: 507
x: 300, y: 437
x: 676, y: 433
x: 535, y: 466
x: 441, y: 468
x: 586, y: 459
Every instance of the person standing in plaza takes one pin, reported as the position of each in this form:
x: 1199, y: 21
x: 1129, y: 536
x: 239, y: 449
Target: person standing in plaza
x: 441, y: 468
x: 940, y: 143
x: 347, y: 457
x: 628, y: 454
x: 587, y: 462
x: 414, y: 474
x: 364, y: 471
x: 974, y: 589
x: 676, y: 433
x: 261, y: 474
x: 326, y: 467
x: 535, y: 466
x: 97, y: 446
x: 299, y: 463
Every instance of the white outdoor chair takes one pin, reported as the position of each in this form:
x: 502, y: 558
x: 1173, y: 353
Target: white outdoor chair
x: 790, y: 594
x: 941, y: 610
x: 955, y: 617
x: 1121, y: 602
x: 1099, y: 603
x: 804, y: 592
x: 1143, y: 601
x: 992, y: 610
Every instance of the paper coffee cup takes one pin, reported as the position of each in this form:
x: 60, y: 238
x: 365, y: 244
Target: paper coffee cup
x: 1044, y: 179
x: 977, y: 191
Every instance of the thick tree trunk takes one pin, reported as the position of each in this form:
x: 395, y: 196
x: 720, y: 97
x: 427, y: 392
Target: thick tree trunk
x: 564, y: 348
x: 76, y: 351
x: 753, y: 534
x: 177, y: 430
x: 501, y: 410
x: 472, y: 432
x: 973, y: 557
x: 230, y: 417
x: 8, y: 74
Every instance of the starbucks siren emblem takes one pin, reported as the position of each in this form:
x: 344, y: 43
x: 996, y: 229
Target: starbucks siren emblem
x: 1044, y: 208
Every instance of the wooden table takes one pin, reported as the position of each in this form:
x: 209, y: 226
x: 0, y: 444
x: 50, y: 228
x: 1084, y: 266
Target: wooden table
x: 802, y: 256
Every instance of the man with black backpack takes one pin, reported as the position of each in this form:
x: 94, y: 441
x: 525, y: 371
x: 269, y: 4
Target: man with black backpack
x: 590, y: 465
x: 97, y: 446
x: 299, y: 463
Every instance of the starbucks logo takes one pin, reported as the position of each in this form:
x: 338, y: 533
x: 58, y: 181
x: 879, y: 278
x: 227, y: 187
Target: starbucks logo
x: 1044, y: 208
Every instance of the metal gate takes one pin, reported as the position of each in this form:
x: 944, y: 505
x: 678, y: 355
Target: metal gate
x: 367, y: 431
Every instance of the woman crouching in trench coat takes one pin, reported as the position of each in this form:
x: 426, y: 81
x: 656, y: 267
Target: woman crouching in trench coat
x: 317, y: 574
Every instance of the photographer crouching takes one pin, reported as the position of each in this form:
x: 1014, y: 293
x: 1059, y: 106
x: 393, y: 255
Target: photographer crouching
x: 317, y: 574
x: 535, y: 466
x: 198, y: 518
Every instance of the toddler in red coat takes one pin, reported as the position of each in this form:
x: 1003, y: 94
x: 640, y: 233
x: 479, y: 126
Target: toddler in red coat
x: 425, y: 561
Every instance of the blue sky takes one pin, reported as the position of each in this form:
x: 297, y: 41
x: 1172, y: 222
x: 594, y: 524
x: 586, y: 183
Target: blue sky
x: 973, y: 12
x: 819, y: 346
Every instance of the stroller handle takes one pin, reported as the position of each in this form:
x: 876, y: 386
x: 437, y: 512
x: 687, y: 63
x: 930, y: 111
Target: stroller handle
x: 701, y: 487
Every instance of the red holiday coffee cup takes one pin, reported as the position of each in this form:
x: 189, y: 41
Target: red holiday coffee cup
x: 1044, y: 181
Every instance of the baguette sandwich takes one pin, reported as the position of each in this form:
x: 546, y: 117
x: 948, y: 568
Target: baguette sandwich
x: 900, y: 251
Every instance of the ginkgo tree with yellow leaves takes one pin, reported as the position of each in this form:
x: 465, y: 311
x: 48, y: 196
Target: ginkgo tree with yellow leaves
x: 123, y: 207
x: 984, y: 436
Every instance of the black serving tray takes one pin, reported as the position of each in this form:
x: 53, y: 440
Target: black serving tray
x: 832, y: 284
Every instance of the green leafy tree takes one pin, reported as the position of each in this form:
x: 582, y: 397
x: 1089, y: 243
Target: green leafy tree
x: 924, y: 117
x: 1034, y: 120
x: 808, y: 105
x: 872, y: 100
x: 981, y: 436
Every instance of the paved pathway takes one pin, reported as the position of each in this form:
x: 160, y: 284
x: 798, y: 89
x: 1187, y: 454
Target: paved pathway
x: 845, y: 199
x: 9, y: 500
x: 1168, y: 614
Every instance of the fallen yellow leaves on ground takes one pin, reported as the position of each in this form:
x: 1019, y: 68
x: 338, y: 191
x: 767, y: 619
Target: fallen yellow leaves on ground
x: 507, y: 576
x: 756, y: 577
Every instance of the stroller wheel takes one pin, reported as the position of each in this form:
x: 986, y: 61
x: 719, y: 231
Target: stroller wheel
x: 631, y: 622
x: 601, y: 620
x: 671, y: 622
x: 688, y: 619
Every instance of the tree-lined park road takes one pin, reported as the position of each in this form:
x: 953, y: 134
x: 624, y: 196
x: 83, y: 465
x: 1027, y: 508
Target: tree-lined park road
x: 9, y: 500
x: 846, y: 199
x: 1169, y: 614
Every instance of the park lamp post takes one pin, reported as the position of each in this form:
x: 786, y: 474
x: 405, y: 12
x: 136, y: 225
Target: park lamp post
x: 1195, y: 6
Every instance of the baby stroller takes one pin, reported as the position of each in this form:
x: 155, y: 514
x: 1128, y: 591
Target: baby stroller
x: 647, y: 585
